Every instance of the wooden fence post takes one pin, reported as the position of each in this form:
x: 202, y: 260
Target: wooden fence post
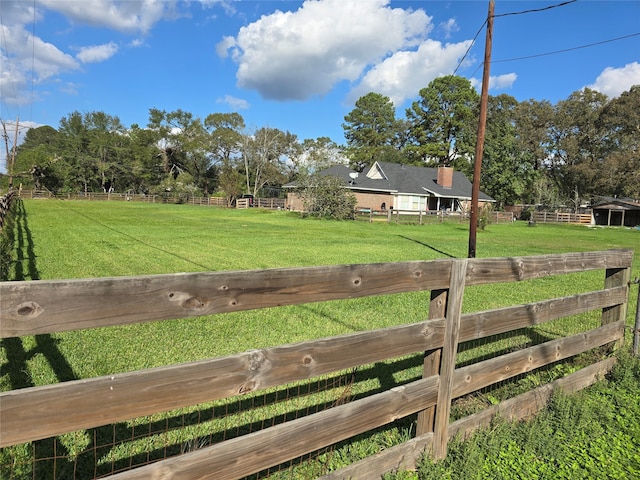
x: 616, y: 277
x: 431, y: 363
x: 448, y: 360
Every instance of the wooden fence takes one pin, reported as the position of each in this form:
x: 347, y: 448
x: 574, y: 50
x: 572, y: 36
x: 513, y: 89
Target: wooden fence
x: 561, y: 217
x: 425, y: 216
x: 40, y: 307
x: 269, y: 203
x: 6, y: 201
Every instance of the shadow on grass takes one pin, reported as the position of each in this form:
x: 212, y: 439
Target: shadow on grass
x: 441, y: 252
x: 19, y: 242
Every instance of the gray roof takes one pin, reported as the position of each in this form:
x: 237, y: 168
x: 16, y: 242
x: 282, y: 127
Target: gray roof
x: 403, y: 179
x: 623, y: 203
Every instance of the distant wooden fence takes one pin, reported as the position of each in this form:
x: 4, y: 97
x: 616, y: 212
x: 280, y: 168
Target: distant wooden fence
x: 425, y: 216
x: 270, y: 203
x: 561, y: 217
x: 39, y: 307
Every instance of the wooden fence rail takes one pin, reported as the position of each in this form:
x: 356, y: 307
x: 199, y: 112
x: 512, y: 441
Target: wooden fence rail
x: 269, y: 203
x: 561, y: 217
x: 30, y: 308
x: 425, y: 216
x: 6, y: 201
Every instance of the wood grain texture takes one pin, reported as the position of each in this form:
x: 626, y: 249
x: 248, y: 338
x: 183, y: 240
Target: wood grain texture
x: 485, y: 271
x: 479, y: 375
x: 243, y: 456
x: 30, y: 308
x: 494, y: 322
x: 448, y: 361
x: 616, y: 277
x: 431, y: 361
x: 25, y: 414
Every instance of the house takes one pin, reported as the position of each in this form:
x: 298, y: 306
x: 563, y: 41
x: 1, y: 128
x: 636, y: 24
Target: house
x: 616, y: 212
x: 402, y: 187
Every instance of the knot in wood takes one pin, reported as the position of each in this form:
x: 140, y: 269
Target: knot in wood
x: 193, y: 303
x: 257, y: 360
x: 247, y: 387
x: 520, y: 270
x: 29, y: 309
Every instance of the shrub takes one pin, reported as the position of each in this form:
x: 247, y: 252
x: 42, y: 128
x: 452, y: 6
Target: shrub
x: 326, y: 197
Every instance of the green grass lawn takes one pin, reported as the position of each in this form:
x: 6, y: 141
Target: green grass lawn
x: 56, y: 239
x: 79, y: 239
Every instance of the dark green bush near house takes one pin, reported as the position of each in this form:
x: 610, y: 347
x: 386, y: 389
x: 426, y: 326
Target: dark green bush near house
x: 326, y: 197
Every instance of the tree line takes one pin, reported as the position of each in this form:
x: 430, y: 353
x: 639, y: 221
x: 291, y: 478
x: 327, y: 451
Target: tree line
x: 535, y: 152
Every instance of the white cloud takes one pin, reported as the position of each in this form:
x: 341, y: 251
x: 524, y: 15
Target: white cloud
x: 233, y: 102
x: 26, y: 59
x: 97, y: 53
x: 224, y: 45
x: 296, y: 55
x: 449, y: 27
x: 502, y: 82
x: 122, y: 15
x: 613, y: 81
x: 402, y: 75
x: 499, y: 82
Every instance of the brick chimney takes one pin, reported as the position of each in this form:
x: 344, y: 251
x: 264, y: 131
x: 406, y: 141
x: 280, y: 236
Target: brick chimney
x: 445, y: 177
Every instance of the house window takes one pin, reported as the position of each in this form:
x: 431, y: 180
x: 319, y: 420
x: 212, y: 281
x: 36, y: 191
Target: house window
x: 412, y: 202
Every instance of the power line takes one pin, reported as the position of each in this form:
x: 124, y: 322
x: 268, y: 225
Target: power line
x: 567, y: 49
x: 521, y: 12
x: 470, y: 46
x: 559, y: 51
x: 534, y: 10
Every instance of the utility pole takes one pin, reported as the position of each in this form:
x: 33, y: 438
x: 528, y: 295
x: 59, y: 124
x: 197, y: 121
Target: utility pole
x: 10, y: 159
x: 13, y: 154
x: 475, y: 192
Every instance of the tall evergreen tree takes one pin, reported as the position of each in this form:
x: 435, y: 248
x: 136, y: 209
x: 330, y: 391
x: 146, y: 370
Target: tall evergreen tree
x: 371, y: 131
x: 443, y: 123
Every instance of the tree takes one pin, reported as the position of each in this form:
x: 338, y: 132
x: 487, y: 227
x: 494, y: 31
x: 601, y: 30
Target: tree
x: 225, y: 145
x: 576, y: 147
x: 38, y: 162
x: 317, y: 155
x: 108, y: 147
x: 325, y: 196
x: 371, y: 130
x: 620, y: 123
x: 505, y: 176
x: 533, y: 121
x: 443, y: 123
x: 265, y: 154
x: 183, y: 141
x: 82, y: 171
x: 146, y: 171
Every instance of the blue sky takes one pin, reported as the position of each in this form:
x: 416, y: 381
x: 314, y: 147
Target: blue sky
x: 296, y: 65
